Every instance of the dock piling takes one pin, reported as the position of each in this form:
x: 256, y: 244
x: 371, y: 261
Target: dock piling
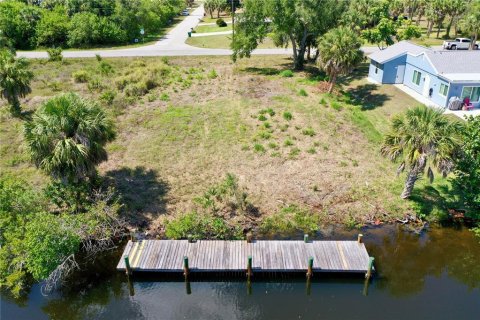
x: 249, y: 237
x: 305, y: 238
x: 310, y: 268
x: 185, y: 267
x: 128, y: 269
x: 370, y: 267
x: 360, y: 238
x: 249, y: 267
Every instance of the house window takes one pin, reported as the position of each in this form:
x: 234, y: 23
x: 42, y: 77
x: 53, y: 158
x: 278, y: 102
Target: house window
x: 443, y: 90
x: 471, y: 92
x: 417, y: 75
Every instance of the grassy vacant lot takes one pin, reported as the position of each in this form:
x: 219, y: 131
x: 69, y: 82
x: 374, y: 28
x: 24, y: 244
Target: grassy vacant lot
x: 184, y: 123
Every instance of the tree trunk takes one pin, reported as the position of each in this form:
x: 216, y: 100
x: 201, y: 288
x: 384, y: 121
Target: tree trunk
x: 429, y: 28
x: 412, y: 177
x: 438, y: 30
x: 419, y: 19
x: 15, y: 109
x: 308, y: 52
x: 332, y: 83
x: 301, y: 51
x: 449, y: 26
x: 317, y: 53
x: 474, y: 42
x: 294, y: 47
x: 218, y: 13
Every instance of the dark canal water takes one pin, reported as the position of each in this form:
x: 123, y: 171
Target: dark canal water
x: 435, y: 275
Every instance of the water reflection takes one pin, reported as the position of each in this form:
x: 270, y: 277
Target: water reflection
x: 414, y: 272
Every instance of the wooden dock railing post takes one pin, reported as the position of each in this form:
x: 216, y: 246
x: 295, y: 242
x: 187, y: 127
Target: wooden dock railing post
x: 370, y: 267
x: 128, y: 270
x: 305, y: 238
x: 360, y: 238
x: 132, y: 236
x: 249, y: 268
x: 310, y: 268
x: 185, y: 267
x: 249, y: 237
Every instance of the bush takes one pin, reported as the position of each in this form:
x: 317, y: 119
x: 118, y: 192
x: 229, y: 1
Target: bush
x: 80, y: 76
x: 287, y: 116
x: 54, y: 54
x: 221, y: 23
x: 259, y: 148
x: 335, y: 105
x: 106, y: 68
x: 303, y: 93
x: 201, y: 226
x: 108, y: 96
x: 262, y: 118
x: 212, y: 74
x: 286, y: 73
x: 288, y: 143
x: 95, y: 84
x: 309, y: 132
x: 136, y: 89
x: 290, y: 219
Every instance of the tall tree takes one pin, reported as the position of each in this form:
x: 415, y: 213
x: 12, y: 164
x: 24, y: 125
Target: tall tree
x: 422, y: 138
x: 292, y: 22
x: 466, y: 182
x: 454, y: 9
x: 67, y: 137
x: 471, y: 22
x: 339, y: 52
x: 382, y: 34
x: 210, y: 6
x: 15, y: 80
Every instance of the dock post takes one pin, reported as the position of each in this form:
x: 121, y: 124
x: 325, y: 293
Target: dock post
x: 190, y: 238
x: 132, y: 236
x: 249, y: 268
x: 128, y: 269
x: 249, y: 237
x: 131, y: 290
x: 360, y: 238
x: 370, y: 267
x: 249, y: 287
x: 309, y: 286
x: 305, y: 238
x: 185, y: 267
x: 310, y: 268
x: 188, y: 287
x: 365, y: 287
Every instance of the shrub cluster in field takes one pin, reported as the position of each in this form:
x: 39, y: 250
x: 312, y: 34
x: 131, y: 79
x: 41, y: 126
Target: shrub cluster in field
x: 290, y: 219
x: 271, y: 132
x: 138, y: 79
x: 220, y: 212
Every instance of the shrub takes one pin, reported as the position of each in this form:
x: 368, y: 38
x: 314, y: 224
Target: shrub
x: 164, y: 97
x: 267, y: 125
x: 259, y: 148
x: 95, y: 84
x: 201, y: 226
x: 80, y: 76
x: 262, y: 117
x: 288, y: 143
x: 335, y: 105
x: 212, y: 74
x: 273, y: 145
x: 323, y: 102
x: 303, y: 93
x: 54, y: 54
x: 98, y: 57
x: 105, y: 68
x: 294, y: 152
x: 108, y: 96
x: 287, y: 116
x: 136, y: 89
x: 312, y: 150
x: 286, y: 73
x: 270, y: 112
x: 264, y: 135
x: 290, y: 219
x: 221, y: 23
x: 309, y: 132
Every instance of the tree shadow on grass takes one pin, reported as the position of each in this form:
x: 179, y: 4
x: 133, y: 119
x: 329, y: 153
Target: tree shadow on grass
x: 357, y: 73
x: 432, y: 201
x: 365, y: 96
x: 142, y: 191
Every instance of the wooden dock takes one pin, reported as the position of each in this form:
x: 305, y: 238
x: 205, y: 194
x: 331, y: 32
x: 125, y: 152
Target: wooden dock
x: 232, y: 256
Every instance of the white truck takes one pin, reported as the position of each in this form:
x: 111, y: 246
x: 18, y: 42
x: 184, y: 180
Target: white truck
x: 459, y: 43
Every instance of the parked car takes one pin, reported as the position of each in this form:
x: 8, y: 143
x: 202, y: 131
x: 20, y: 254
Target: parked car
x: 458, y: 43
x: 185, y: 13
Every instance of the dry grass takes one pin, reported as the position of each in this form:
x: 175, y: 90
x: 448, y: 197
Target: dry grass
x: 177, y: 140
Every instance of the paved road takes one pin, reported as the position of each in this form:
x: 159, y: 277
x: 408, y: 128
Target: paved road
x: 172, y: 44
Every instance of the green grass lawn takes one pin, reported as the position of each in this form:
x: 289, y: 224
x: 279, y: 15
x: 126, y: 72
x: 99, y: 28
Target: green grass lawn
x: 285, y: 140
x: 212, y: 28
x: 222, y: 42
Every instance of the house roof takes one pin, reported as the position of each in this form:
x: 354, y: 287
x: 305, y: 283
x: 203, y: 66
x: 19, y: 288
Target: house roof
x: 396, y: 50
x: 462, y: 64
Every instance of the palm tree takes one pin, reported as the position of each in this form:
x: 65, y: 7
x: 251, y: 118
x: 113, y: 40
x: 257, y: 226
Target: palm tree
x: 67, y: 136
x: 471, y: 22
x: 339, y: 52
x: 14, y: 79
x: 422, y: 137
